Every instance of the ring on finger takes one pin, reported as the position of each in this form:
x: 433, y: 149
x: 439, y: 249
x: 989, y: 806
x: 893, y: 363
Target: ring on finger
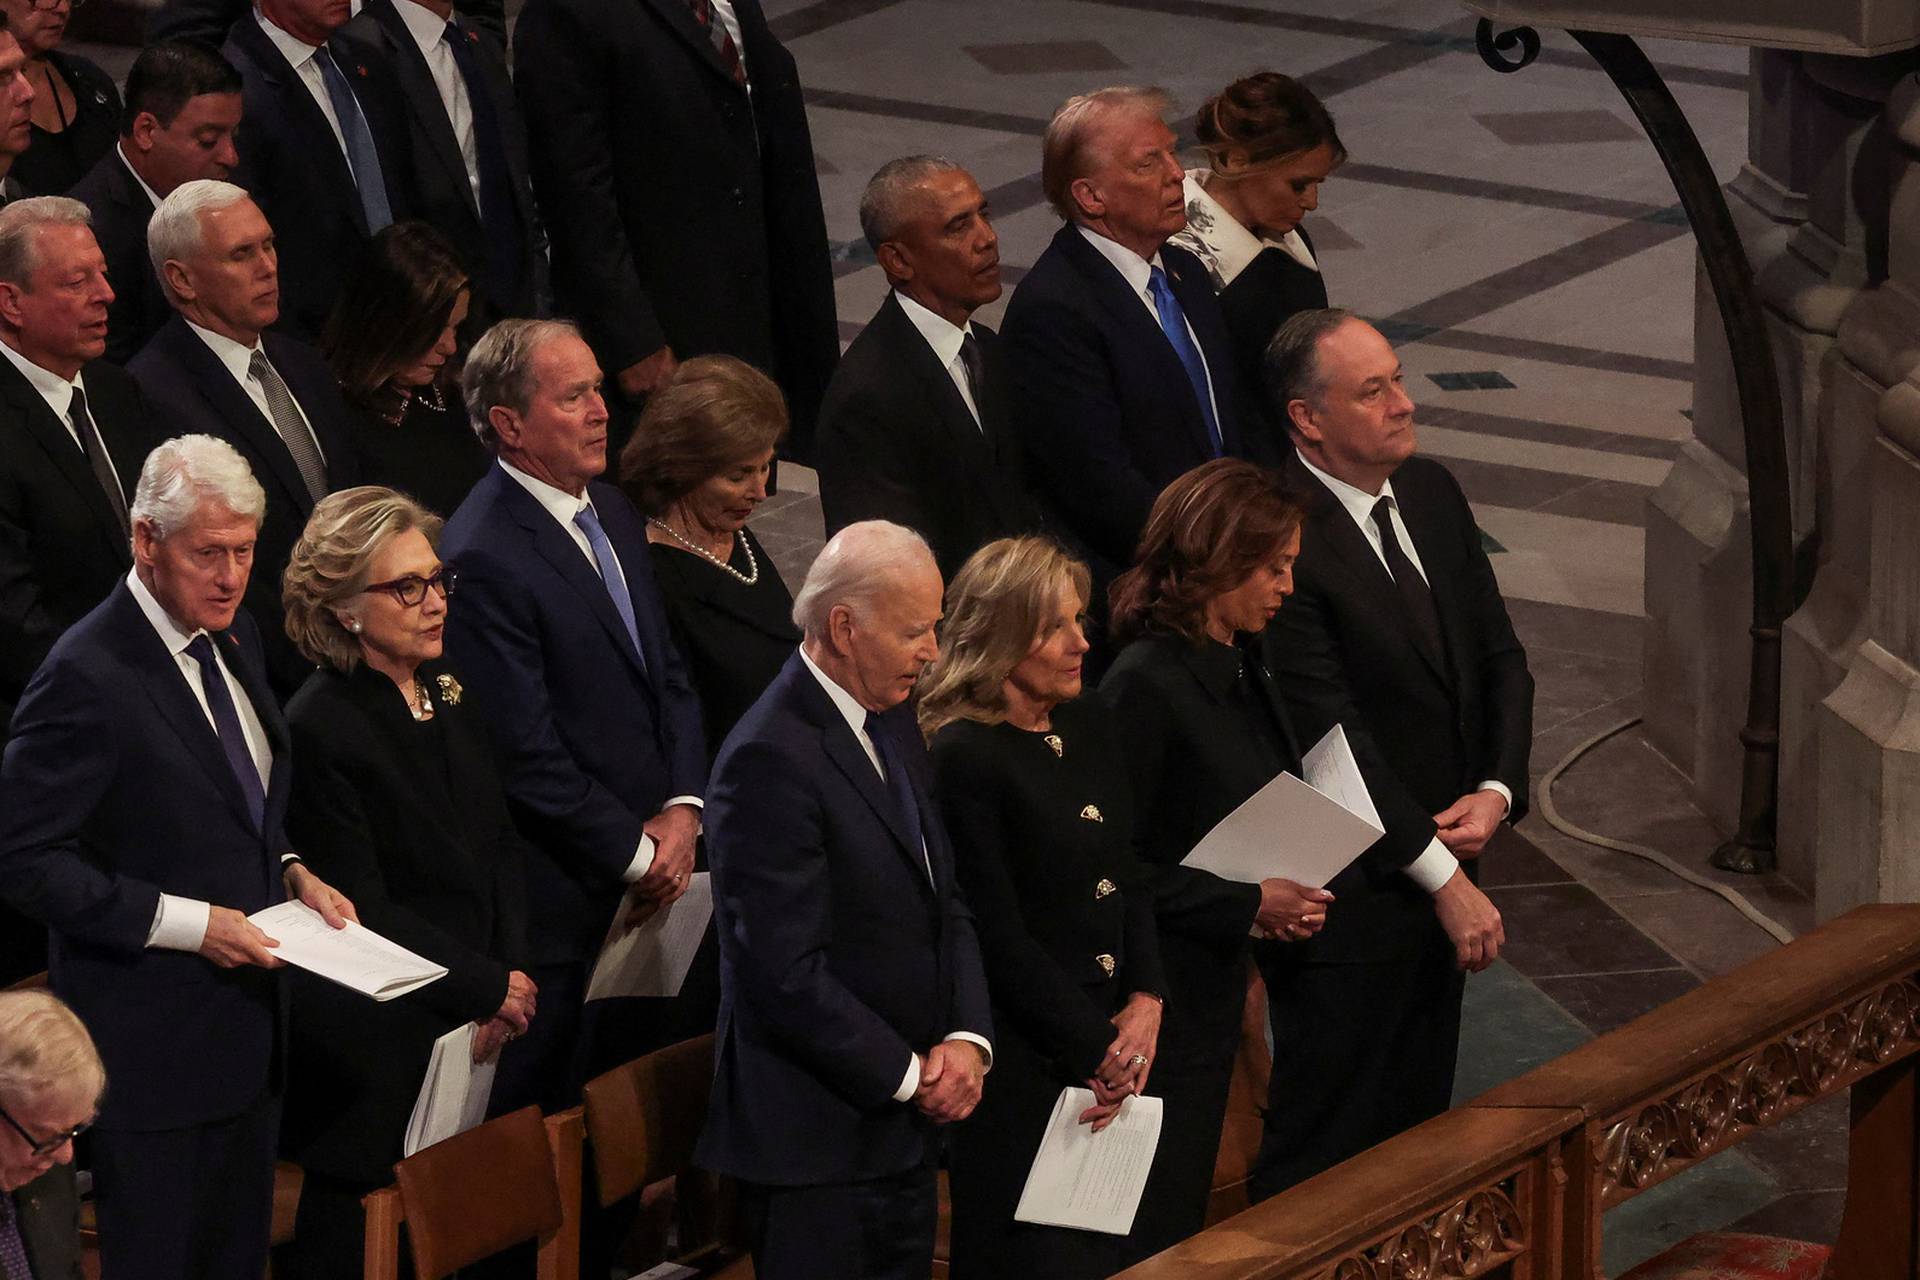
x: 1137, y: 1060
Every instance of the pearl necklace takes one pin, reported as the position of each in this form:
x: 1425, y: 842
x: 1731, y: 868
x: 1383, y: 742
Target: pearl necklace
x: 753, y: 566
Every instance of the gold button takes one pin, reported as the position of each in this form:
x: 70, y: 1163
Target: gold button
x: 1106, y: 962
x: 1092, y: 813
x: 1104, y: 888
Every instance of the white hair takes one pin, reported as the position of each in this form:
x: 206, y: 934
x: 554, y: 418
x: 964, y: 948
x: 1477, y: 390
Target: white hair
x: 174, y: 232
x: 46, y: 1054
x: 186, y: 471
x: 20, y: 224
x: 858, y: 564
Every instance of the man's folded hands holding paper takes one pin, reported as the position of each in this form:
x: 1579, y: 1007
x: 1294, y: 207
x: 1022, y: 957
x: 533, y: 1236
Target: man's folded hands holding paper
x: 232, y: 940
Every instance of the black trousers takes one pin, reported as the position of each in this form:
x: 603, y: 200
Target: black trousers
x: 187, y: 1204
x: 1361, y: 1052
x: 881, y: 1229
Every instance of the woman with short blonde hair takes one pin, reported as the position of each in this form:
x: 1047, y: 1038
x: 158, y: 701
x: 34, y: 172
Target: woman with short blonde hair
x: 1036, y: 801
x: 343, y: 535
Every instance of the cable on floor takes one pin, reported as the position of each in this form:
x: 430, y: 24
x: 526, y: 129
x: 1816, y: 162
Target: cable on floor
x: 1559, y: 822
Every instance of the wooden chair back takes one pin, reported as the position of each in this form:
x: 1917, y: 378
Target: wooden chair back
x: 643, y: 1117
x: 1245, y: 1122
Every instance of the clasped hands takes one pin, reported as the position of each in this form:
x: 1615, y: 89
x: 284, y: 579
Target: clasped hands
x: 673, y: 831
x: 1289, y: 911
x: 951, y: 1075
x: 516, y: 1012
x: 232, y: 940
x: 1129, y: 1061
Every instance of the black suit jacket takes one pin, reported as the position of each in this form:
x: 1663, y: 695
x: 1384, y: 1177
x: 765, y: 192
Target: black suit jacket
x: 593, y: 743
x: 1345, y: 650
x: 839, y: 957
x: 293, y: 167
x: 190, y: 390
x: 680, y: 212
x: 114, y: 789
x: 438, y: 189
x: 409, y: 820
x: 61, y: 550
x: 47, y: 1211
x: 207, y: 21
x: 897, y: 443
x: 121, y: 212
x: 1267, y: 292
x: 1102, y: 403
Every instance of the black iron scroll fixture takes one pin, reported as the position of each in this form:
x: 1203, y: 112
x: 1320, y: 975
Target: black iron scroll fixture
x: 1757, y: 385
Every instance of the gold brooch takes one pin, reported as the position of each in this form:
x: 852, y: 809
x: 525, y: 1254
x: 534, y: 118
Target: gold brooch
x: 1106, y: 962
x: 449, y: 689
x: 1104, y: 888
x: 1092, y: 813
x: 1059, y: 747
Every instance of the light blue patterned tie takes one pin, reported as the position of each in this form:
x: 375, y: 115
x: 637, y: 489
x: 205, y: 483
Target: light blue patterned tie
x: 1173, y: 323
x: 361, y: 153
x: 610, y: 574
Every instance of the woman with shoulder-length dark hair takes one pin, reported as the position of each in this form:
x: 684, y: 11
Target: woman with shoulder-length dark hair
x: 391, y: 341
x: 1202, y: 728
x: 1029, y: 780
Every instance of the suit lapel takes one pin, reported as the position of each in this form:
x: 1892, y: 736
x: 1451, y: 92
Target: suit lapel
x: 678, y: 16
x: 290, y: 93
x: 564, y: 554
x: 838, y: 744
x: 64, y: 452
x: 955, y: 419
x: 423, y: 98
x: 231, y: 404
x: 1350, y: 547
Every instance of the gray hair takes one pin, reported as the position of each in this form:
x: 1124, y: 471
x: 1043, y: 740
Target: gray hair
x: 499, y: 369
x: 45, y: 1052
x: 21, y: 221
x: 1290, y: 365
x: 186, y: 471
x: 175, y: 233
x: 883, y: 205
x: 858, y: 565
x: 1064, y: 149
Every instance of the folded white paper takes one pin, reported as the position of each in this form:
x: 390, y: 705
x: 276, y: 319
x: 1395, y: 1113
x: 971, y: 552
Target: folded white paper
x: 453, y: 1097
x: 653, y: 959
x: 1307, y: 832
x: 354, y: 957
x: 1086, y: 1180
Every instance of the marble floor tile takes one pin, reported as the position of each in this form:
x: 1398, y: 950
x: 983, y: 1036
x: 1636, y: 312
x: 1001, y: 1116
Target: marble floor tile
x: 1704, y: 932
x: 1707, y: 1197
x: 1029, y: 57
x: 1558, y: 930
x: 1585, y: 563
x: 1799, y: 1215
x: 1544, y: 627
x: 1507, y: 1028
x: 1506, y: 427
x: 1510, y: 859
x: 1543, y: 456
x: 1604, y: 1002
x: 1535, y: 128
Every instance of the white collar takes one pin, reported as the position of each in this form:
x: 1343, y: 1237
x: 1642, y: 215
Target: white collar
x: 560, y: 504
x: 1358, y: 502
x: 297, y: 52
x: 1217, y: 238
x: 845, y: 703
x: 236, y: 358
x: 54, y: 389
x: 171, y: 635
x: 943, y: 336
x: 1136, y: 270
x: 426, y: 27
x: 119, y: 149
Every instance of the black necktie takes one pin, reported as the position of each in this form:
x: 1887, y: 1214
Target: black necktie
x: 898, y: 784
x: 90, y: 444
x: 499, y: 215
x: 226, y: 725
x: 976, y: 374
x: 1413, y: 588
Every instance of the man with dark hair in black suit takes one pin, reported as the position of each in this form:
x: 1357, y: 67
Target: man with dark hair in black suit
x: 1123, y: 372
x: 469, y: 144
x: 676, y: 174
x: 323, y: 146
x: 916, y: 428
x: 182, y: 109
x: 1396, y: 631
x: 206, y: 21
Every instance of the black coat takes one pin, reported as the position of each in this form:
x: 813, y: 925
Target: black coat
x: 190, y: 390
x: 54, y: 162
x: 438, y: 189
x: 61, y: 550
x: 897, y: 443
x: 292, y: 165
x: 207, y: 20
x: 409, y: 820
x: 680, y: 213
x: 121, y: 212
x: 1102, y: 403
x: 1268, y: 291
x: 431, y: 454
x: 48, y: 1213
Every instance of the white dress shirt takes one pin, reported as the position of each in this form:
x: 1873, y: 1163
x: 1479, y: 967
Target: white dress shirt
x: 429, y: 31
x: 238, y: 361
x: 180, y: 924
x: 856, y: 717
x: 299, y: 55
x: 120, y: 149
x: 1436, y: 863
x: 1138, y: 273
x: 58, y: 393
x: 946, y: 340
x: 564, y: 507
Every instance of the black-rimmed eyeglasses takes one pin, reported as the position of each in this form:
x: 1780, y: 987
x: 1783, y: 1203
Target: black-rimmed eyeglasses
x: 45, y: 1146
x: 412, y: 589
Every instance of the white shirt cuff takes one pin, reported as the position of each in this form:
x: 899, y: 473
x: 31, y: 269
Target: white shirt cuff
x: 179, y: 924
x: 642, y: 860
x: 986, y: 1050
x: 1500, y: 789
x: 910, y: 1082
x: 1434, y: 867
x: 698, y: 803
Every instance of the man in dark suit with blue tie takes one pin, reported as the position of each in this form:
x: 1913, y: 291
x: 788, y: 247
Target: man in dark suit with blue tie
x: 141, y: 805
x: 563, y: 637
x: 1123, y: 370
x: 854, y: 1016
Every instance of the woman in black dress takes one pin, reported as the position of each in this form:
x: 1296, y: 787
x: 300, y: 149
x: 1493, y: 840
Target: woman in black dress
x: 1030, y: 783
x: 396, y: 794
x: 76, y: 108
x: 697, y: 467
x: 391, y: 341
x: 1269, y: 144
x: 1201, y: 728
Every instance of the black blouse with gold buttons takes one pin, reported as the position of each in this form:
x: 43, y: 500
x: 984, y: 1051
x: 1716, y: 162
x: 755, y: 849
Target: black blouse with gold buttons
x: 1042, y: 830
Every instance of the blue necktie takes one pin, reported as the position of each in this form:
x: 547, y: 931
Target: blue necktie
x: 610, y: 574
x: 1173, y: 323
x: 899, y: 786
x: 360, y: 149
x: 226, y: 725
x: 499, y: 215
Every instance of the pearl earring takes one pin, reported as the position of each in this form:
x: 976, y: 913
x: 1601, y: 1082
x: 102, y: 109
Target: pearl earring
x: 353, y: 625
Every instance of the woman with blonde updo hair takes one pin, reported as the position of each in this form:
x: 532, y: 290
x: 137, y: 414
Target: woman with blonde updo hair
x: 1269, y: 144
x: 395, y: 792
x: 1036, y: 800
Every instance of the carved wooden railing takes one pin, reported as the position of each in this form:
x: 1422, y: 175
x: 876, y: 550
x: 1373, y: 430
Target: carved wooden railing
x: 1518, y: 1182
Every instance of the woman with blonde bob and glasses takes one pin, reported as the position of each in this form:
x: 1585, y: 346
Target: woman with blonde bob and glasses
x: 395, y: 792
x: 1030, y: 783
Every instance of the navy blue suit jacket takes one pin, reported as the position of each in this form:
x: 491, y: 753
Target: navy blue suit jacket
x: 114, y: 790
x: 592, y: 744
x: 838, y: 957
x: 1101, y: 402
